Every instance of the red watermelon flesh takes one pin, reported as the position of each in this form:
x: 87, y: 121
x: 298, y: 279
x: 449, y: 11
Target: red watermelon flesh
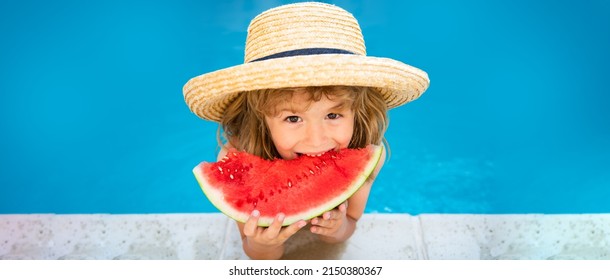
x: 301, y: 188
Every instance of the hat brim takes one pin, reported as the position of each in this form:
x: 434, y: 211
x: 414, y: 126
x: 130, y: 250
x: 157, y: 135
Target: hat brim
x: 209, y: 94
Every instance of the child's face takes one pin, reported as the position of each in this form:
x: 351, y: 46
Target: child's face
x: 325, y: 125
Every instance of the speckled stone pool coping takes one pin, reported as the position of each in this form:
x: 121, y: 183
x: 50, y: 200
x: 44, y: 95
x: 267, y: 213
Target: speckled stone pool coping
x: 379, y: 236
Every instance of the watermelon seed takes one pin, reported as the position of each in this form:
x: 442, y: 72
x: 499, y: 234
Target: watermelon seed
x: 311, y: 171
x: 220, y: 168
x: 289, y: 184
x: 231, y: 176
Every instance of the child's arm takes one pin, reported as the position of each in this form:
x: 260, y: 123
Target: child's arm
x: 339, y: 224
x: 266, y: 243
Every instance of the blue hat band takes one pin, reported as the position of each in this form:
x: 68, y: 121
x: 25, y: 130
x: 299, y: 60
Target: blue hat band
x: 299, y: 52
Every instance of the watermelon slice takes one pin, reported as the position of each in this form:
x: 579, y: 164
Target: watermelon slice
x: 301, y: 188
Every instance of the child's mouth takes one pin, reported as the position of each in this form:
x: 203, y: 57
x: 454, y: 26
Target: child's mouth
x: 313, y: 154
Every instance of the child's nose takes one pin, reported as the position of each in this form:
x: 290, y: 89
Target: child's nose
x: 316, y: 135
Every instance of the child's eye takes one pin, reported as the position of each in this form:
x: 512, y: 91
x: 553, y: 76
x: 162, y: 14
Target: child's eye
x: 333, y: 116
x: 292, y: 119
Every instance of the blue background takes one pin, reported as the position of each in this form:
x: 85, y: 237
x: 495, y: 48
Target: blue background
x: 92, y: 117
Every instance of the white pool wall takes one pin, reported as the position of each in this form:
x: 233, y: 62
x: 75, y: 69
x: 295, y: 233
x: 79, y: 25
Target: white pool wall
x: 378, y: 236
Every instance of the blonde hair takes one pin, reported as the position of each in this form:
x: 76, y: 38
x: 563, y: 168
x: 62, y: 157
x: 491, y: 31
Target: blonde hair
x: 244, y: 124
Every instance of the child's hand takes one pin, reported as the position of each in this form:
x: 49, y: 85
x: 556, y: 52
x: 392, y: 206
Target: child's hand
x: 331, y: 224
x: 268, y: 241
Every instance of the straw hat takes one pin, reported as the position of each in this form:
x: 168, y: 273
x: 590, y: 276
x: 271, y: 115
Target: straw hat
x: 300, y: 45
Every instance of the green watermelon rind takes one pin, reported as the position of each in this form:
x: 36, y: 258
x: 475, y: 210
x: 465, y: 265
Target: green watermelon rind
x: 216, y: 197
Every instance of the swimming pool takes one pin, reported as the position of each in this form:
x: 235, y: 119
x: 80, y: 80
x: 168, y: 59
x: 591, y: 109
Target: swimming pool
x: 515, y: 120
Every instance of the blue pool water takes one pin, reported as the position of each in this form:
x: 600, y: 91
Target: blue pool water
x: 515, y: 120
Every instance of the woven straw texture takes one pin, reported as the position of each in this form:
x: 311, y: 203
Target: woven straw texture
x: 296, y: 27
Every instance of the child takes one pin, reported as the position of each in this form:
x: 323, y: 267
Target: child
x: 306, y: 87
